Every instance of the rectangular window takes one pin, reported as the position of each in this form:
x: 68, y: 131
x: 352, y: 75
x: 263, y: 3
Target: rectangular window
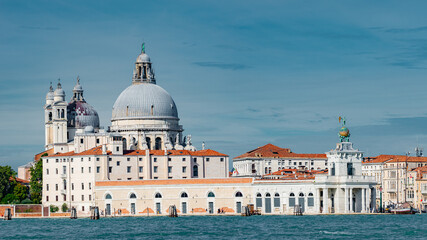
x: 82, y: 169
x: 83, y: 208
x: 169, y: 159
x: 183, y: 159
x: 56, y: 170
x: 81, y: 159
x: 349, y: 169
x: 118, y: 163
x: 56, y: 197
x: 72, y: 197
x: 81, y: 140
x: 222, y: 159
x: 292, y: 202
x: 128, y: 159
x: 97, y: 169
x: 184, y: 169
x: 207, y: 159
x: 47, y: 171
x: 195, y: 160
x: 97, y: 159
x: 90, y: 197
x: 47, y: 187
x: 90, y: 186
x: 110, y: 169
x: 117, y: 149
x: 57, y: 160
x: 83, y: 197
x: 72, y: 186
x: 155, y: 169
x: 47, y: 160
x: 295, y: 163
x: 83, y: 186
x: 141, y: 178
x: 155, y: 159
x: 90, y: 169
x: 169, y: 169
x: 47, y: 198
x: 310, y: 202
x: 140, y: 169
x: 56, y: 187
x: 156, y: 177
x: 72, y: 170
x: 276, y: 202
x: 129, y: 169
x: 97, y: 141
x: 140, y: 159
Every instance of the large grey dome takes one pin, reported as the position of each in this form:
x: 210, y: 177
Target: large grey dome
x: 144, y: 101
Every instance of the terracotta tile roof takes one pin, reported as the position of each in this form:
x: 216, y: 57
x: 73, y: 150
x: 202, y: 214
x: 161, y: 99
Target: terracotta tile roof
x: 174, y: 182
x: 392, y: 158
x: 98, y: 151
x: 272, y: 151
x: 38, y: 156
x: 20, y: 180
x: 292, y: 174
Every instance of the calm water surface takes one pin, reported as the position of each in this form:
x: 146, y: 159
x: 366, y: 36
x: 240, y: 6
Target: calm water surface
x: 222, y: 227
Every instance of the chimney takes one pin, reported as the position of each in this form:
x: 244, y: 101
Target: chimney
x: 104, y: 149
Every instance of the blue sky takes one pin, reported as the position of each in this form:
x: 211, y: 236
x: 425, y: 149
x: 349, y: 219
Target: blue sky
x: 242, y: 73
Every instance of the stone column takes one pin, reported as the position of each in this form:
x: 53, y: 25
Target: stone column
x: 368, y: 199
x: 346, y: 200
x: 318, y: 200
x: 325, y: 200
x: 351, y: 200
x: 363, y: 200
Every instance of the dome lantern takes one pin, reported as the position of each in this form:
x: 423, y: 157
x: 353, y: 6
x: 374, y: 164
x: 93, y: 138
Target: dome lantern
x: 59, y: 94
x: 143, y: 71
x: 50, y: 95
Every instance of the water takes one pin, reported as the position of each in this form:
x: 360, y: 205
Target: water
x: 222, y: 227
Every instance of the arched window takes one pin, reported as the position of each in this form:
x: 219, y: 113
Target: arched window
x: 266, y: 170
x: 269, y: 170
x: 132, y: 196
x: 301, y: 194
x: 211, y: 194
x: 124, y: 144
x: 253, y: 168
x: 184, y: 195
x: 258, y: 200
x: 108, y: 196
x: 158, y: 195
x: 239, y: 194
x: 276, y: 200
x: 310, y: 200
x: 158, y: 145
x: 195, y: 171
x: 292, y: 200
x: 50, y: 116
x: 152, y: 110
x: 267, y: 195
x: 62, y: 113
x: 148, y: 140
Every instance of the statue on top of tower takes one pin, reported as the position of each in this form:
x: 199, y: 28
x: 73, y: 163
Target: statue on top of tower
x: 344, y: 133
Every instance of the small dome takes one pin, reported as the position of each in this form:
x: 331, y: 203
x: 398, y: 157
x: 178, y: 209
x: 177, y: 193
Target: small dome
x: 145, y: 100
x: 81, y: 114
x: 143, y: 57
x: 50, y: 95
x: 89, y: 129
x: 59, y: 92
x: 78, y: 87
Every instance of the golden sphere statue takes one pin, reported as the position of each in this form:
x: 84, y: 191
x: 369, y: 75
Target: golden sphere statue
x: 344, y: 132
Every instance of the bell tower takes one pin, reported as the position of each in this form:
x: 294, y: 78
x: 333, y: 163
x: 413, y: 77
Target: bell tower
x: 48, y: 117
x: 59, y: 119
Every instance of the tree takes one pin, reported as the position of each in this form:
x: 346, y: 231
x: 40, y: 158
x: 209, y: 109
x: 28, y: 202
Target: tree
x: 64, y: 207
x: 20, y: 192
x: 6, y: 186
x: 36, y: 181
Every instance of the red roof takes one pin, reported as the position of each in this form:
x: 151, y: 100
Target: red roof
x: 98, y: 151
x: 38, y: 156
x: 292, y: 174
x: 393, y: 158
x: 272, y: 151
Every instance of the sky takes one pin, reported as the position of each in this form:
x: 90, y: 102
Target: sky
x: 242, y: 73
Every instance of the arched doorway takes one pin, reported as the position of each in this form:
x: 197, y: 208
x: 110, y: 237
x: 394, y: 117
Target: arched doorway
x: 301, y: 201
x: 267, y: 203
x: 158, y: 144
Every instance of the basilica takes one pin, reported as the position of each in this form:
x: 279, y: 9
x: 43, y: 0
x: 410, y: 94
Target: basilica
x: 142, y: 164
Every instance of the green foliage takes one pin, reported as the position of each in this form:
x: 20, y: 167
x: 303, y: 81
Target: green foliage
x: 36, y: 182
x: 9, y: 199
x: 54, y: 208
x: 6, y: 186
x: 20, y: 191
x: 64, y: 207
x: 26, y: 201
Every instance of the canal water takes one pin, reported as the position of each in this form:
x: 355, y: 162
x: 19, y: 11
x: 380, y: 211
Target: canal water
x: 222, y: 227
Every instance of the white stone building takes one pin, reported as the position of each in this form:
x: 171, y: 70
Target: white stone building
x: 269, y: 158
